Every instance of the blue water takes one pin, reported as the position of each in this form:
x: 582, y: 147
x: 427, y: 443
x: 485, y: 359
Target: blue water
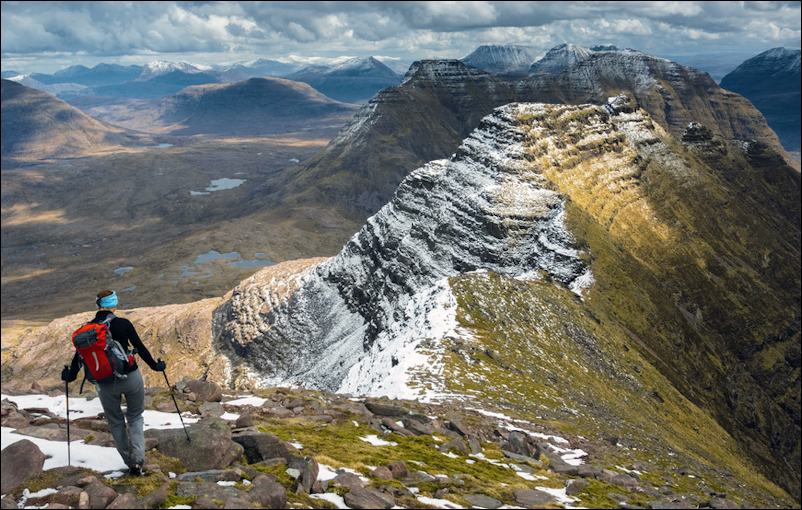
x: 219, y: 185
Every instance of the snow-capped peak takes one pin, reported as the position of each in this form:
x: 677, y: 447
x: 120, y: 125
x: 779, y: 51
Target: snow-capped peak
x: 501, y: 58
x: 159, y: 67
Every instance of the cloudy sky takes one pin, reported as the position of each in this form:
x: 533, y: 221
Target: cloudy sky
x: 45, y: 36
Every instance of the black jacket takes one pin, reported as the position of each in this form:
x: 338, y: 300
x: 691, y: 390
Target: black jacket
x: 123, y: 331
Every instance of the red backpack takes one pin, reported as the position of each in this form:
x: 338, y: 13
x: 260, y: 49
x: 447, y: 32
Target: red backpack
x: 103, y: 357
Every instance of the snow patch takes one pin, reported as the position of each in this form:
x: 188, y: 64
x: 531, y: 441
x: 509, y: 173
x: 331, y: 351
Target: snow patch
x: 377, y: 441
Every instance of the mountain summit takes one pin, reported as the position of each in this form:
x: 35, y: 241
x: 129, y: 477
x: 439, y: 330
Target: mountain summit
x: 502, y: 59
x: 354, y: 80
x: 770, y: 81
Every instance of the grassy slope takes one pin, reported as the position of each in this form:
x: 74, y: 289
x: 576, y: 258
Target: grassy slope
x: 698, y: 273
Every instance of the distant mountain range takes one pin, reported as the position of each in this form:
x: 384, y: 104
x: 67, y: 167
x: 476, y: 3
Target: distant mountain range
x: 36, y: 126
x: 251, y: 107
x: 771, y: 81
x: 355, y: 80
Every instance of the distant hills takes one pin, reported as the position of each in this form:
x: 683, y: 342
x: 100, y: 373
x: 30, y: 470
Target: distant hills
x: 36, y: 126
x: 355, y: 80
x: 254, y: 106
x: 771, y: 81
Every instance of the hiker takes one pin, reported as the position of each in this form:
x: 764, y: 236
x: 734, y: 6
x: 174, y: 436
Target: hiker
x: 117, y: 375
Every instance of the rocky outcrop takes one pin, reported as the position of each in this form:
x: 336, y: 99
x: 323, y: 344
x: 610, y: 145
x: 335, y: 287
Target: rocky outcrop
x: 20, y: 461
x: 350, y: 322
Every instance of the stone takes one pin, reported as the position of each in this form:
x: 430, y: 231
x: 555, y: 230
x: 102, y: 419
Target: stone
x: 457, y: 426
x: 68, y: 495
x: 588, y: 471
x: 123, y: 501
x: 259, y: 446
x: 244, y: 421
x: 559, y: 466
x: 8, y: 502
x: 15, y: 420
x: 347, y: 480
x: 309, y: 471
x: 482, y: 501
x: 382, y: 473
x: 360, y: 497
x: 83, y: 500
x: 474, y: 445
x: 532, y: 498
x: 723, y: 503
x: 211, y: 409
x: 455, y: 444
x: 211, y: 446
x: 624, y: 481
x: 156, y: 498
x: 86, y: 480
x: 237, y: 502
x: 100, y: 494
x: 423, y: 476
x: 418, y: 427
x: 385, y: 409
x: 212, y: 475
x: 576, y: 486
x: 20, y: 461
x: 399, y: 469
x: 268, y: 493
x: 520, y: 443
x: 206, y: 391
x: 667, y: 505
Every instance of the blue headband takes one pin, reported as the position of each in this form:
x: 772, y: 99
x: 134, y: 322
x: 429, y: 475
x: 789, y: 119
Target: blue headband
x: 109, y: 301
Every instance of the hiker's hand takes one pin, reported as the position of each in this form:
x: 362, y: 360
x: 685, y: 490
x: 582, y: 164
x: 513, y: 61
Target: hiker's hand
x: 66, y: 376
x: 160, y: 365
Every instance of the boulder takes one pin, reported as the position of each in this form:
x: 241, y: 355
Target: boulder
x: 399, y: 469
x: 205, y: 391
x: 385, y: 409
x: 457, y: 426
x: 20, y: 461
x: 100, y: 494
x: 417, y: 426
x: 348, y: 480
x: 211, y: 446
x: 455, y: 444
x: 69, y: 495
x: 532, y: 498
x: 624, y: 481
x: 15, y: 420
x: 522, y: 444
x: 234, y: 502
x: 212, y: 475
x: 244, y: 421
x: 482, y: 501
x: 309, y: 470
x: 382, y: 473
x: 576, y: 486
x: 268, y: 493
x: 211, y: 409
x: 360, y: 497
x: 123, y: 501
x: 259, y: 446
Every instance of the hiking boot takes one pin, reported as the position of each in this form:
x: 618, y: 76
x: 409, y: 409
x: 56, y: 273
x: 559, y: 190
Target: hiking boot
x: 135, y: 470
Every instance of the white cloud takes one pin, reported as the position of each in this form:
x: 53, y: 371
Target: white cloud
x: 33, y: 33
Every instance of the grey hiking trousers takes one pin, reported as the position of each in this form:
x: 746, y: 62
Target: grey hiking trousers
x: 131, y: 442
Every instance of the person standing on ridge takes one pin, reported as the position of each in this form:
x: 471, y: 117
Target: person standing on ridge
x: 103, y: 349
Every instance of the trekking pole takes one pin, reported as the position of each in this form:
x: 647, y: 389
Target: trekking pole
x: 67, y: 400
x: 170, y: 387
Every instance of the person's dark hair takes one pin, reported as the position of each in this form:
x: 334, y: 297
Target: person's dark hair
x: 100, y: 295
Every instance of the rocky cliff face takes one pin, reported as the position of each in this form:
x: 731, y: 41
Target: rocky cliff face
x: 349, y: 322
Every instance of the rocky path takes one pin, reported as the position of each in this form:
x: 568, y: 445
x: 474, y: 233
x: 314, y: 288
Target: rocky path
x: 288, y: 448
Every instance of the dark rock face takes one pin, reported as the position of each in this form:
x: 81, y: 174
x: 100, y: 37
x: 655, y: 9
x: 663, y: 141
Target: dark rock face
x: 770, y: 81
x: 20, y: 461
x: 211, y: 446
x: 512, y: 225
x: 268, y: 492
x: 205, y: 391
x: 260, y: 446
